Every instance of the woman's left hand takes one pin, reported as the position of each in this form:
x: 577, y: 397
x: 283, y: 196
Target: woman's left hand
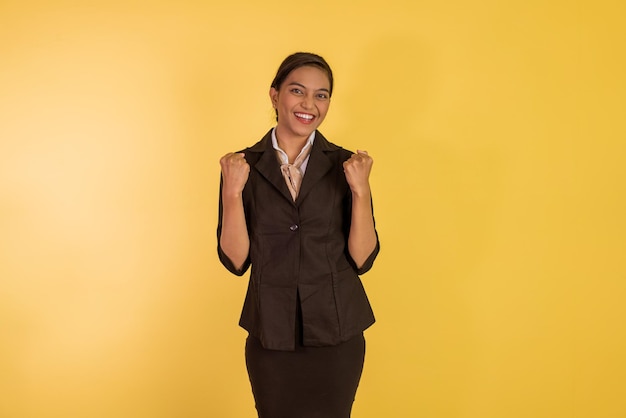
x: 357, y: 169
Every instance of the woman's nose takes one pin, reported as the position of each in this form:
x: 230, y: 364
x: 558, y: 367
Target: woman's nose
x: 307, y: 102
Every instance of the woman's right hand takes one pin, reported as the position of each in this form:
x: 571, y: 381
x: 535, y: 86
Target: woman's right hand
x: 235, y: 171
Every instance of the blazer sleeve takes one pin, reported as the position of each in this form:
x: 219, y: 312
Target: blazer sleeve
x: 369, y: 262
x: 226, y: 262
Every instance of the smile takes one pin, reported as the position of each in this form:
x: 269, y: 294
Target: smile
x: 305, y: 116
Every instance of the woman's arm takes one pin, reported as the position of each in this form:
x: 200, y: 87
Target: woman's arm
x: 233, y: 239
x: 362, y: 240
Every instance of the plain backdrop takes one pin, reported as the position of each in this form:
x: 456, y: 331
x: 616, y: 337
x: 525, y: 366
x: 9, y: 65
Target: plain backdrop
x: 497, y: 130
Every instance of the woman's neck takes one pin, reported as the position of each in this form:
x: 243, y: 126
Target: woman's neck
x: 292, y: 145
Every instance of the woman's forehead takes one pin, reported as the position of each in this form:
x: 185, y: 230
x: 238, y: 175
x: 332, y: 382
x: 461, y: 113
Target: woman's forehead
x: 309, y: 77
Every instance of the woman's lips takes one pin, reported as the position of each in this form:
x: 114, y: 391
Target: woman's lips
x: 304, y: 117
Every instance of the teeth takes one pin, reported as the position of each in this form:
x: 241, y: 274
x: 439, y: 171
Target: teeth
x: 304, y: 116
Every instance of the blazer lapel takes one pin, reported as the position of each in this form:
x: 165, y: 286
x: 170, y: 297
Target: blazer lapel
x: 268, y: 165
x: 319, y: 164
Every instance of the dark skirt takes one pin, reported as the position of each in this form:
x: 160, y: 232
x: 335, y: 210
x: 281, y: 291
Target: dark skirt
x: 310, y: 382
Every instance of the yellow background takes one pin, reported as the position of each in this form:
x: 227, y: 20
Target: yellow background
x: 497, y: 130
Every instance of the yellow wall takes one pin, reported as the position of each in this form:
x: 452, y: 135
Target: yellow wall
x: 497, y: 130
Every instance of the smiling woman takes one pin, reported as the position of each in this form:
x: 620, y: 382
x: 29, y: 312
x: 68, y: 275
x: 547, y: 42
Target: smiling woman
x: 307, y: 234
x: 301, y: 105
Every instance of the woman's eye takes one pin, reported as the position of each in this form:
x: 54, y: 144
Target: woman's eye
x: 322, y: 96
x: 296, y: 91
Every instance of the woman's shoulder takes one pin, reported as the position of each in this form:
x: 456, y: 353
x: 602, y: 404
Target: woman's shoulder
x: 328, y: 146
x: 261, y: 145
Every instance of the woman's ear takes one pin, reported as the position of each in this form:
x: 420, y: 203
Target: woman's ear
x: 274, y: 97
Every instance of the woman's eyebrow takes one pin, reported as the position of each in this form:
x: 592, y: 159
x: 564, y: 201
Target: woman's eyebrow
x: 295, y: 83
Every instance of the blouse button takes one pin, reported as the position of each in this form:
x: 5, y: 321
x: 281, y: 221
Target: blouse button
x: 293, y: 227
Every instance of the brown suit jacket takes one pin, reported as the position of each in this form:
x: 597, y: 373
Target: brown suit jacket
x: 299, y: 252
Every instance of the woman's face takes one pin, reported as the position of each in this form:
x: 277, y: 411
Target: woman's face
x: 302, y: 102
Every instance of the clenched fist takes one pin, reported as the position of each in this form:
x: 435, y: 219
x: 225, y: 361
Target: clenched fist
x: 357, y: 169
x: 235, y: 171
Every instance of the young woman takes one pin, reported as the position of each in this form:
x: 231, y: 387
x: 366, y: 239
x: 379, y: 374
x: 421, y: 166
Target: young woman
x: 297, y: 209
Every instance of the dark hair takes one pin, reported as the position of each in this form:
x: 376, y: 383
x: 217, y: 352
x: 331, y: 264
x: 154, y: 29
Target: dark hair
x: 302, y: 59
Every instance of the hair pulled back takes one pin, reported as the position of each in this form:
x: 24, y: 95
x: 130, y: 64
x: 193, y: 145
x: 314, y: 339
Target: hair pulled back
x: 302, y: 59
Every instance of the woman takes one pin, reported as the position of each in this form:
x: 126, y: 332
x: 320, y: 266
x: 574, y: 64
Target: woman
x: 297, y: 208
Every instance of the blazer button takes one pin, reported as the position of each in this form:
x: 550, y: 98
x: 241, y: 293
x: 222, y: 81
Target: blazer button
x: 293, y: 227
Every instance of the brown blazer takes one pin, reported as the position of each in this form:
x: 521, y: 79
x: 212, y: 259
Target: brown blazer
x: 299, y: 252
